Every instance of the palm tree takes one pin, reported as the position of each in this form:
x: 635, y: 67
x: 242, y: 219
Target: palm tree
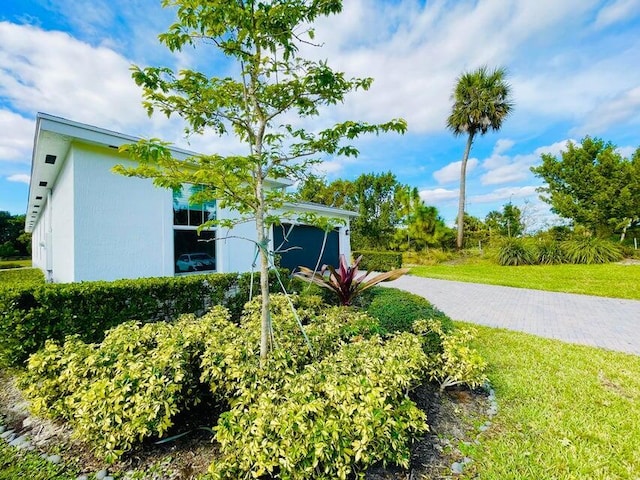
x: 481, y: 101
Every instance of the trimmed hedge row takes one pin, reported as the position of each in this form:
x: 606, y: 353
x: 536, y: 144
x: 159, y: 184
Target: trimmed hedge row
x: 397, y: 311
x: 378, y: 261
x: 30, y: 315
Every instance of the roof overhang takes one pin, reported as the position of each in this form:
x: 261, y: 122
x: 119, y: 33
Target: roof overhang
x: 52, y: 141
x: 322, y: 209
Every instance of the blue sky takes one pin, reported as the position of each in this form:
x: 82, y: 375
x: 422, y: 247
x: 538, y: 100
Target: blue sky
x: 573, y: 65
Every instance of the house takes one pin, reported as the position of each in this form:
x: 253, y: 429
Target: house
x: 89, y: 223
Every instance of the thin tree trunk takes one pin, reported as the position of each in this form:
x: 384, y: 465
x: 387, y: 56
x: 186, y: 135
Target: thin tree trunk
x: 263, y: 238
x: 463, y: 184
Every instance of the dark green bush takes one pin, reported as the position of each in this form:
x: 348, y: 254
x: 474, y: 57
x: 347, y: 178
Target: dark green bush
x: 32, y: 314
x: 550, y: 252
x: 591, y: 250
x: 516, y: 251
x: 397, y: 310
x: 379, y: 261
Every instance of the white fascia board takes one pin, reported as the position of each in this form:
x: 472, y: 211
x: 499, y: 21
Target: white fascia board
x: 322, y: 209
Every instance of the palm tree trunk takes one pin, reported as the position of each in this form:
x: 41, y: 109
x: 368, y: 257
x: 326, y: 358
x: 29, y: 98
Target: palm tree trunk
x: 463, y: 185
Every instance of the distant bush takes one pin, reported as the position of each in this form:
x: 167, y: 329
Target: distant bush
x: 516, y: 251
x: 591, y: 250
x: 379, y: 261
x: 549, y: 252
x: 32, y: 314
x: 432, y: 256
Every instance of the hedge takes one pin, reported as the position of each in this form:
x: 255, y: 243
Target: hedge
x: 32, y: 314
x: 378, y: 261
x: 397, y: 311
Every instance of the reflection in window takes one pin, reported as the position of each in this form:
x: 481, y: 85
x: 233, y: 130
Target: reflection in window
x: 188, y: 213
x: 192, y: 252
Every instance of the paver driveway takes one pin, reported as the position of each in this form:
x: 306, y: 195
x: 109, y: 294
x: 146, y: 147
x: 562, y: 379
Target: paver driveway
x: 602, y: 322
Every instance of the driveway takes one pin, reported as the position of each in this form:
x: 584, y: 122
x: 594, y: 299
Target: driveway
x: 609, y: 323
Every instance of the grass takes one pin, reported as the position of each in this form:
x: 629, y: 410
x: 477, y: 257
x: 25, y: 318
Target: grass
x: 607, y: 280
x: 16, y: 464
x: 565, y: 411
x: 6, y: 264
x: 20, y: 278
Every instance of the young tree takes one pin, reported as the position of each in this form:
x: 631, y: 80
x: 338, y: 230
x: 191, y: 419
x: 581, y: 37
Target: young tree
x: 481, y: 101
x: 593, y: 185
x: 507, y: 223
x: 273, y: 85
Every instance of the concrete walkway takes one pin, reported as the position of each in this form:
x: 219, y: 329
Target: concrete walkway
x: 609, y: 323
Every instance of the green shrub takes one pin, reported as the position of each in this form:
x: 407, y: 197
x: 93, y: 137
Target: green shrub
x: 231, y: 364
x: 431, y: 256
x: 340, y: 416
x: 591, y: 250
x: 516, y: 251
x: 397, y: 311
x: 30, y: 315
x: 379, y: 261
x: 326, y: 412
x: 550, y: 252
x: 347, y: 282
x: 127, y: 388
x: 456, y: 363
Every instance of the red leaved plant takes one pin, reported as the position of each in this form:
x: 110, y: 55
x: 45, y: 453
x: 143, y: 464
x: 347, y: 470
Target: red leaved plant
x: 345, y: 281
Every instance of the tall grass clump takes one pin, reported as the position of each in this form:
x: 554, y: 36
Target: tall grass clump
x: 516, y: 251
x: 589, y: 250
x: 550, y: 252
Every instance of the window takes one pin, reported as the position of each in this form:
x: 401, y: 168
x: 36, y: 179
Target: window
x: 192, y: 252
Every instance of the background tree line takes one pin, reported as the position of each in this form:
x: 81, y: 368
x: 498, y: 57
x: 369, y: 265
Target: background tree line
x: 391, y: 215
x: 14, y: 241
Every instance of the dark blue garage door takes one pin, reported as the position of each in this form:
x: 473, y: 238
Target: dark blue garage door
x: 303, y: 246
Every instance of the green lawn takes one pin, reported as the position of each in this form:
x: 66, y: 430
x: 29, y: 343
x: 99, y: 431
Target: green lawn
x: 21, y: 277
x: 565, y: 411
x: 15, y: 464
x: 608, y: 280
x: 5, y: 264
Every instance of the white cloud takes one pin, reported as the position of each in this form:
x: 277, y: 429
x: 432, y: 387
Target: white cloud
x: 505, y: 169
x: 451, y: 173
x: 20, y: 178
x: 503, y: 145
x: 623, y: 107
x: 416, y: 50
x: 436, y: 195
x: 17, y: 137
x: 506, y: 193
x: 626, y: 152
x: 55, y: 73
x: 617, y: 11
x: 513, y: 172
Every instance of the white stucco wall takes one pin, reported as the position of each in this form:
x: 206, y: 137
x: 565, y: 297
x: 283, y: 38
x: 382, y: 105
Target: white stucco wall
x: 123, y: 226
x: 38, y: 247
x: 235, y: 252
x: 60, y: 212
